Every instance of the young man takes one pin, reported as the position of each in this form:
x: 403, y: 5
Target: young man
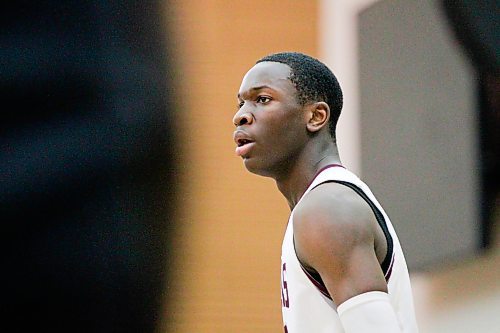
x: 343, y: 269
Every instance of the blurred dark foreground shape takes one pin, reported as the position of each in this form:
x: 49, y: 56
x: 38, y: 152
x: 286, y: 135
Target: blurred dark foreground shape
x: 476, y: 26
x: 86, y: 165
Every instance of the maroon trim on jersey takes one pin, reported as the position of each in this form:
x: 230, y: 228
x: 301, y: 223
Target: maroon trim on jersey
x: 389, y: 270
x: 320, y: 286
x: 323, y: 169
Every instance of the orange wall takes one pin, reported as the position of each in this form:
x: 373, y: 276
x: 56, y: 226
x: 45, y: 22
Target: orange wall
x: 231, y: 222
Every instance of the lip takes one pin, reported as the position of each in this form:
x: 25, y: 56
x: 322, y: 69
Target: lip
x: 243, y: 141
x: 245, y: 149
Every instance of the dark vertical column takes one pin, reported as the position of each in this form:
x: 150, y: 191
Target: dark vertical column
x: 489, y: 110
x: 476, y: 27
x: 87, y: 168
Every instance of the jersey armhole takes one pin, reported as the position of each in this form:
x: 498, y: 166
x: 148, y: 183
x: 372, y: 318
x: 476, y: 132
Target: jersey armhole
x: 388, y: 261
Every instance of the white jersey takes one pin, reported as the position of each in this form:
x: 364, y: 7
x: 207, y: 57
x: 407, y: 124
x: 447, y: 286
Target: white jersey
x: 306, y: 305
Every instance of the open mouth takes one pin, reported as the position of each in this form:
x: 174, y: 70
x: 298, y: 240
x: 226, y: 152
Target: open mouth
x: 243, y: 147
x: 242, y: 142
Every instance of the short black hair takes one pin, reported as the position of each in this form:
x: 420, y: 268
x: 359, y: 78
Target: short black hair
x: 314, y: 82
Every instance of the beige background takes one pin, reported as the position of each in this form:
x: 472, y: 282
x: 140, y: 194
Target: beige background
x: 232, y: 221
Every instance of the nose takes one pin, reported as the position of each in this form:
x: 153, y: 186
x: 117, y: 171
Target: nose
x: 242, y: 118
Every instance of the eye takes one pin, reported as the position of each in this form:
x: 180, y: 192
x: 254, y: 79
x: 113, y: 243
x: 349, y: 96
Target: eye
x: 240, y: 104
x: 263, y: 99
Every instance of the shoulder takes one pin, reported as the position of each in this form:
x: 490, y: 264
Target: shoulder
x: 331, y: 218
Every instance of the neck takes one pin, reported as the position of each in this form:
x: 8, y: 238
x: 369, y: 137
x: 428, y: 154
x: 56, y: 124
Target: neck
x: 294, y: 183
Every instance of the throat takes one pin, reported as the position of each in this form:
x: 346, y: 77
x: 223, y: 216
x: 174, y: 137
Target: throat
x: 293, y: 189
x: 294, y: 186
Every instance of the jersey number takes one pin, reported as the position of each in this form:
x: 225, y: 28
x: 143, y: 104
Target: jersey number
x: 284, y: 288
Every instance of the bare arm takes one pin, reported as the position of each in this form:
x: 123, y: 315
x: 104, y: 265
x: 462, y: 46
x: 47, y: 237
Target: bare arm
x: 334, y: 232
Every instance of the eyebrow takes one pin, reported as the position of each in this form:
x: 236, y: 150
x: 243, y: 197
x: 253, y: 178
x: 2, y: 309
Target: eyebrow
x: 256, y: 88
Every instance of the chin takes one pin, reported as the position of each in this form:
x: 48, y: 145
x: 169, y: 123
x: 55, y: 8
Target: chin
x: 257, y: 167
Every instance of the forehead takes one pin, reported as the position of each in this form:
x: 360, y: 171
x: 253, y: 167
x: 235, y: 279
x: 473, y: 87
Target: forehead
x: 274, y: 75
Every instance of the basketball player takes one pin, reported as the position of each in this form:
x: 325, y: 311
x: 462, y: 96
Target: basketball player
x: 343, y: 269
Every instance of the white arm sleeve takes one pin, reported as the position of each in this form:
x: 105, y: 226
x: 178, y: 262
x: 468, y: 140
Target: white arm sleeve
x: 368, y: 312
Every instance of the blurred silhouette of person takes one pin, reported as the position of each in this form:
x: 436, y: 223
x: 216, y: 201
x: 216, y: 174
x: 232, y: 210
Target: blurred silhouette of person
x: 86, y: 165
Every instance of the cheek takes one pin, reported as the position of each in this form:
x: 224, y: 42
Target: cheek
x: 287, y: 134
x: 293, y: 127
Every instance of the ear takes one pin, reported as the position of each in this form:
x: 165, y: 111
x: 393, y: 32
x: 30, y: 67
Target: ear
x: 319, y: 115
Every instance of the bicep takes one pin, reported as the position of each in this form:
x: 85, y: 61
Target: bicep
x: 337, y: 241
x: 355, y: 272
